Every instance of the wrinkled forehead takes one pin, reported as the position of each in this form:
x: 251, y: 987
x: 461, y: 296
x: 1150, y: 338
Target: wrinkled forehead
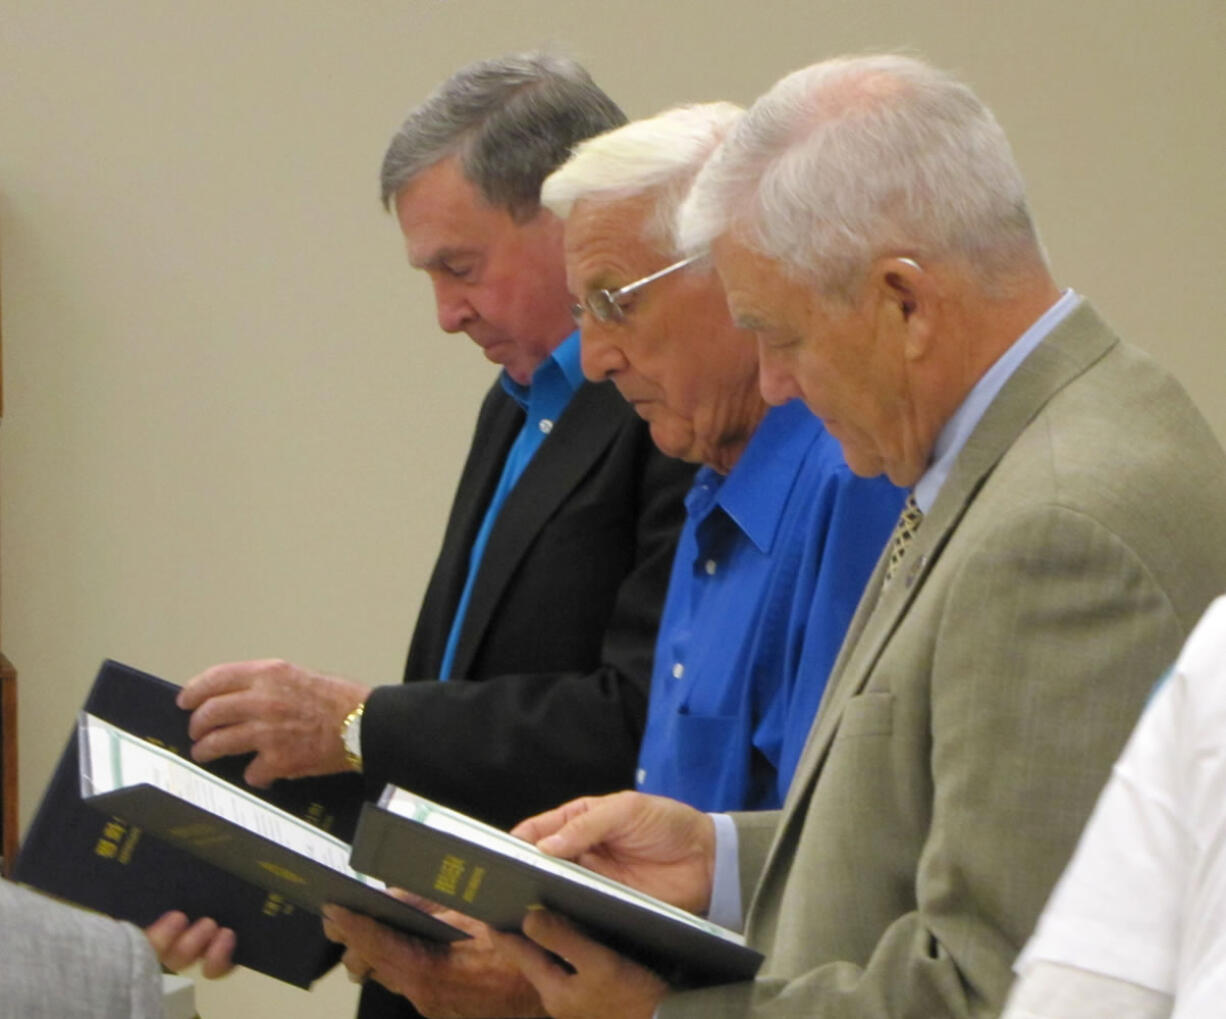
x: 755, y: 285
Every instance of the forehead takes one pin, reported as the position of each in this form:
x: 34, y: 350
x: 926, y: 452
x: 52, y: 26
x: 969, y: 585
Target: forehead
x: 756, y: 286
x: 607, y: 238
x: 441, y: 212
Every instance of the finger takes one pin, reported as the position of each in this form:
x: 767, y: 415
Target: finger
x: 219, y: 955
x: 219, y: 679
x: 357, y: 964
x: 163, y: 932
x: 558, y: 935
x: 417, y: 901
x: 225, y: 710
x: 360, y: 933
x: 261, y: 774
x: 533, y: 829
x: 232, y: 739
x: 600, y: 819
x: 538, y: 967
x: 190, y: 946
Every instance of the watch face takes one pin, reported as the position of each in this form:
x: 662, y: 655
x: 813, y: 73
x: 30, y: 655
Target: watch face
x: 351, y: 737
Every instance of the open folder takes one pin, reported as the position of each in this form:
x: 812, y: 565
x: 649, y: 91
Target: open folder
x: 134, y: 851
x: 479, y: 870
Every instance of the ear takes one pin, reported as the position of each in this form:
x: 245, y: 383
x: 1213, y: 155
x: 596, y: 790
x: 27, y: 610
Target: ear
x: 905, y: 294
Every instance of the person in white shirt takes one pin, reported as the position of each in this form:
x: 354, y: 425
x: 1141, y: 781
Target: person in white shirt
x: 1134, y: 929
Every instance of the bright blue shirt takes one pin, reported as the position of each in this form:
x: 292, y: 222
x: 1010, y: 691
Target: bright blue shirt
x: 770, y: 565
x: 553, y: 384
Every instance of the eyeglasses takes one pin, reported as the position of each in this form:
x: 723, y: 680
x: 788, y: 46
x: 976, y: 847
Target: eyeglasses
x: 610, y: 305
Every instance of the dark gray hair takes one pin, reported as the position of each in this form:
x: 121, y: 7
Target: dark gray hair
x: 512, y: 121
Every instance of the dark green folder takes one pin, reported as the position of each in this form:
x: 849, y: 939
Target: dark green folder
x: 475, y: 876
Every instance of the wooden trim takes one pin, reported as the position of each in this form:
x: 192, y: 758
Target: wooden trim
x: 8, y: 764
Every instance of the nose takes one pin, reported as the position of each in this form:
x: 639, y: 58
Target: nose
x: 600, y: 357
x: 452, y: 306
x: 776, y: 383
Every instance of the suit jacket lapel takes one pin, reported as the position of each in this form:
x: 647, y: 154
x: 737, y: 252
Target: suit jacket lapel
x: 1079, y: 341
x: 580, y: 437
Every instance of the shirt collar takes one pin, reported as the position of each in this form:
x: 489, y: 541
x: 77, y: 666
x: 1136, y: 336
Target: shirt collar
x: 959, y: 427
x: 561, y: 369
x: 755, y: 492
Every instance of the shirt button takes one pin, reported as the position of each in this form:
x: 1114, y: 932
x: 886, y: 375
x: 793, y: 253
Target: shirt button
x: 678, y: 670
x: 710, y: 566
x: 546, y: 425
x: 640, y: 776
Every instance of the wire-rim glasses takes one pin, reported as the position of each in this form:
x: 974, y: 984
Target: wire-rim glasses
x: 610, y: 305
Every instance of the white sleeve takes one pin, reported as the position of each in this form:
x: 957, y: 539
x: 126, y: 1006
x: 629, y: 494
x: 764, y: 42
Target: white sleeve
x: 1050, y: 990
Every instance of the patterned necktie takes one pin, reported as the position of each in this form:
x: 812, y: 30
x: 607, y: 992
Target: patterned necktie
x: 908, y: 524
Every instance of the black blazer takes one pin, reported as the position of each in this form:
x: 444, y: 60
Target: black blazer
x: 554, y: 661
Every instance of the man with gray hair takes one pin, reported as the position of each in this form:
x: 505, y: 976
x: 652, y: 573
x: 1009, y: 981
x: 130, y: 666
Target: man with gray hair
x: 1066, y: 529
x: 779, y: 539
x: 543, y: 606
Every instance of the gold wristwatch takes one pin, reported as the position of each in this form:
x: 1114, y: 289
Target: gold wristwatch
x: 351, y: 737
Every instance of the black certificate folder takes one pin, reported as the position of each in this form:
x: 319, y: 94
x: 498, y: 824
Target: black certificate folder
x: 109, y: 862
x: 479, y: 870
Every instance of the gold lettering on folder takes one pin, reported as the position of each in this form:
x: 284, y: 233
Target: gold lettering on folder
x: 450, y: 871
x: 474, y: 884
x: 282, y: 872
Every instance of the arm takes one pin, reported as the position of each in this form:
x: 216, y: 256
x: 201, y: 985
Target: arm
x: 56, y: 960
x: 539, y: 725
x: 1013, y: 681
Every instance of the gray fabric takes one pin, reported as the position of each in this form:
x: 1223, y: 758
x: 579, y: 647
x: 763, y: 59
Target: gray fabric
x: 59, y: 962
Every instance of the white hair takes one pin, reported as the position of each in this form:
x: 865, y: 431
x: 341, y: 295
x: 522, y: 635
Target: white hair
x: 858, y: 157
x: 659, y: 155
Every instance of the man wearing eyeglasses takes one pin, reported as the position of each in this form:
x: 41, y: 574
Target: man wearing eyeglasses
x: 543, y: 606
x: 779, y: 538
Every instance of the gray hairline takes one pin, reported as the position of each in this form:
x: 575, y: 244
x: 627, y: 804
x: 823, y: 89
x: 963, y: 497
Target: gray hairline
x: 544, y: 102
x: 777, y: 136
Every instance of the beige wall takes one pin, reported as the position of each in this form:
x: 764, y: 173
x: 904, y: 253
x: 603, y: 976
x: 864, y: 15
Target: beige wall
x: 232, y: 426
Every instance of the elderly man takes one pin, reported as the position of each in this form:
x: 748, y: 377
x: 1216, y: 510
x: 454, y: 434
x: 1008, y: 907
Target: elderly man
x: 780, y: 536
x: 1068, y: 527
x: 545, y: 600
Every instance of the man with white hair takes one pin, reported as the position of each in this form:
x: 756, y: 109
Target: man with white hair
x: 1066, y: 529
x: 779, y: 539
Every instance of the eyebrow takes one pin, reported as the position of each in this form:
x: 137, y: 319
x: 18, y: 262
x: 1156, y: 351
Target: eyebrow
x: 749, y: 320
x: 439, y: 257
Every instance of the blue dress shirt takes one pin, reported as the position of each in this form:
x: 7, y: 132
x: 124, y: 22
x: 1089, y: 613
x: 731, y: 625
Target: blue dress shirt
x: 553, y: 384
x: 770, y: 565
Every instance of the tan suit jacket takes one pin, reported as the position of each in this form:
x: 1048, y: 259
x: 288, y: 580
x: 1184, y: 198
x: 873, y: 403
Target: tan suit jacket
x: 977, y: 705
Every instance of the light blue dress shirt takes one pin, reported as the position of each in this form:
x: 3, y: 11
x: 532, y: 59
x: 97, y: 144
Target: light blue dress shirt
x: 553, y: 384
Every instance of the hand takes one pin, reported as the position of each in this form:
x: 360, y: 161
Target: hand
x: 290, y: 717
x: 178, y: 944
x: 603, y: 984
x: 654, y: 844
x: 464, y: 979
